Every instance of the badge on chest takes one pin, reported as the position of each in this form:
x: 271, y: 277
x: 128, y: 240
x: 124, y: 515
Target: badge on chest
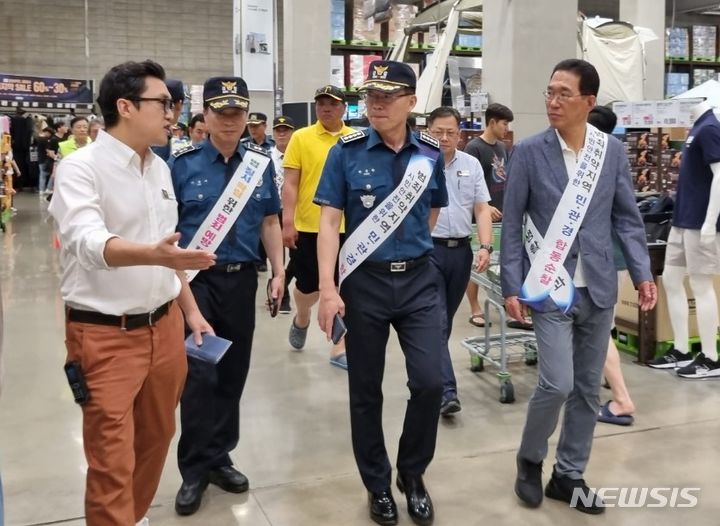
x: 367, y: 200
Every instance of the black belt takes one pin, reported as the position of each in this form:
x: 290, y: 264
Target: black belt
x: 398, y: 266
x: 452, y: 242
x: 127, y: 322
x: 232, y: 267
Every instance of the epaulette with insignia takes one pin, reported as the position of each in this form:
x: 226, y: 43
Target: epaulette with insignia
x: 350, y: 137
x: 184, y: 149
x: 257, y: 149
x: 429, y: 139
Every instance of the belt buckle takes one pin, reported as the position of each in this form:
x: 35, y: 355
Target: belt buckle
x: 398, y: 266
x: 453, y: 243
x: 150, y: 317
x: 233, y: 267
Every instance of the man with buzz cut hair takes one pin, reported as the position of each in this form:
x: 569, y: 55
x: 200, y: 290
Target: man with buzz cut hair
x: 122, y: 274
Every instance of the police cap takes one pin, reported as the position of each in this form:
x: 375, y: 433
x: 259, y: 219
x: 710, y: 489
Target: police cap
x: 283, y: 121
x: 330, y: 91
x: 389, y: 76
x: 257, y: 118
x: 220, y: 93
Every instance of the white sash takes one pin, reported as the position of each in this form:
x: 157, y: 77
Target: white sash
x: 229, y: 206
x: 386, y: 217
x: 547, y: 275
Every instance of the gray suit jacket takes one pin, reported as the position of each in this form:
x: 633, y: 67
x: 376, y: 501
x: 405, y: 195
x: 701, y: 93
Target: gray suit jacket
x: 536, y: 180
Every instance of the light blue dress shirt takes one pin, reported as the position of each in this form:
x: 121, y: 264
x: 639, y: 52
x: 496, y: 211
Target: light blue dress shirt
x: 466, y: 186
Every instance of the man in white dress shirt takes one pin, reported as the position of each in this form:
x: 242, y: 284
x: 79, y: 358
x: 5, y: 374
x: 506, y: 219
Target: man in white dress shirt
x: 452, y: 255
x: 122, y: 274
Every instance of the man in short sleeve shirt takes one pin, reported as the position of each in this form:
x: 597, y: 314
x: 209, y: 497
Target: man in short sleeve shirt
x: 367, y: 178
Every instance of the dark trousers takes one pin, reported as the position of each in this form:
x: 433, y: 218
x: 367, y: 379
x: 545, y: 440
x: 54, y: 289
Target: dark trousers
x: 453, y: 265
x: 209, y: 409
x: 374, y: 300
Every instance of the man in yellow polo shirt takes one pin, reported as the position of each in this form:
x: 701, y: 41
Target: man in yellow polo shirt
x: 304, y: 160
x: 79, y: 129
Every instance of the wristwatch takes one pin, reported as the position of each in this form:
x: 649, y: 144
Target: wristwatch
x: 487, y: 247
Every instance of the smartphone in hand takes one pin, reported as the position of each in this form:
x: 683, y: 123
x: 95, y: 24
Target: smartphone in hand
x: 338, y: 329
x: 272, y: 303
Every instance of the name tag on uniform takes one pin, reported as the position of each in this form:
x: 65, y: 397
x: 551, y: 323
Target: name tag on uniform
x: 463, y: 173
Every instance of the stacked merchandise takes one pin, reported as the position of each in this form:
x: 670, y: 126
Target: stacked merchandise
x: 676, y: 83
x: 337, y: 21
x: 669, y: 165
x: 6, y: 172
x: 701, y: 75
x: 196, y: 99
x: 469, y: 42
x: 365, y: 31
x: 641, y: 149
x: 402, y: 15
x: 704, y: 43
x: 337, y: 70
x: 676, y: 44
x: 359, y: 65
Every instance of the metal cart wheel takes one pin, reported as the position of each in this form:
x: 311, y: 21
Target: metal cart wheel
x: 477, y: 364
x: 507, y: 393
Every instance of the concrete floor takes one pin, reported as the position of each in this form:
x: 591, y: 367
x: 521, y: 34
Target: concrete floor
x: 295, y: 439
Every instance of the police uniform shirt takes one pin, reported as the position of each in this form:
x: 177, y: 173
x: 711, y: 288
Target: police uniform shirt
x: 268, y: 143
x: 105, y: 191
x: 199, y: 177
x: 466, y: 186
x: 164, y: 151
x: 365, y: 171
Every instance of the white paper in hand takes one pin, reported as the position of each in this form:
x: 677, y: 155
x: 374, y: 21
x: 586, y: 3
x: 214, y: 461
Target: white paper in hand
x: 212, y: 350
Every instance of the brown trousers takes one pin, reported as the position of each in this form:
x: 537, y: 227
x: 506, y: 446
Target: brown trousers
x: 135, y: 379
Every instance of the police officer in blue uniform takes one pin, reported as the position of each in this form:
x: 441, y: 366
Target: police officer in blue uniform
x: 395, y: 285
x: 225, y: 293
x: 177, y: 94
x: 257, y: 128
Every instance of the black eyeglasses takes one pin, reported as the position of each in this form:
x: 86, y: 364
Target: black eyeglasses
x: 168, y: 104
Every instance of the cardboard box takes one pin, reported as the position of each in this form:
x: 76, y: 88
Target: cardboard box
x: 626, y: 309
x: 677, y: 43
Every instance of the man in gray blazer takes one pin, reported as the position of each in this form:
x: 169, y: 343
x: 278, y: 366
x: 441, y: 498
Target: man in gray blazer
x: 573, y: 184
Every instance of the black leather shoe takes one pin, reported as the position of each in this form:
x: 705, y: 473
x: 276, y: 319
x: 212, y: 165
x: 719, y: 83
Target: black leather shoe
x: 382, y: 508
x: 229, y: 479
x: 420, y: 507
x: 564, y: 489
x: 189, y: 497
x: 450, y: 406
x: 528, y: 484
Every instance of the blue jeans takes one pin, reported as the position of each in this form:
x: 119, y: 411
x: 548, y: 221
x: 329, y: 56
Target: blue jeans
x: 43, y: 179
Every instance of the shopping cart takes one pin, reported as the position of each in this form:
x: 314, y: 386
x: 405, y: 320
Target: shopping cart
x: 499, y: 349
